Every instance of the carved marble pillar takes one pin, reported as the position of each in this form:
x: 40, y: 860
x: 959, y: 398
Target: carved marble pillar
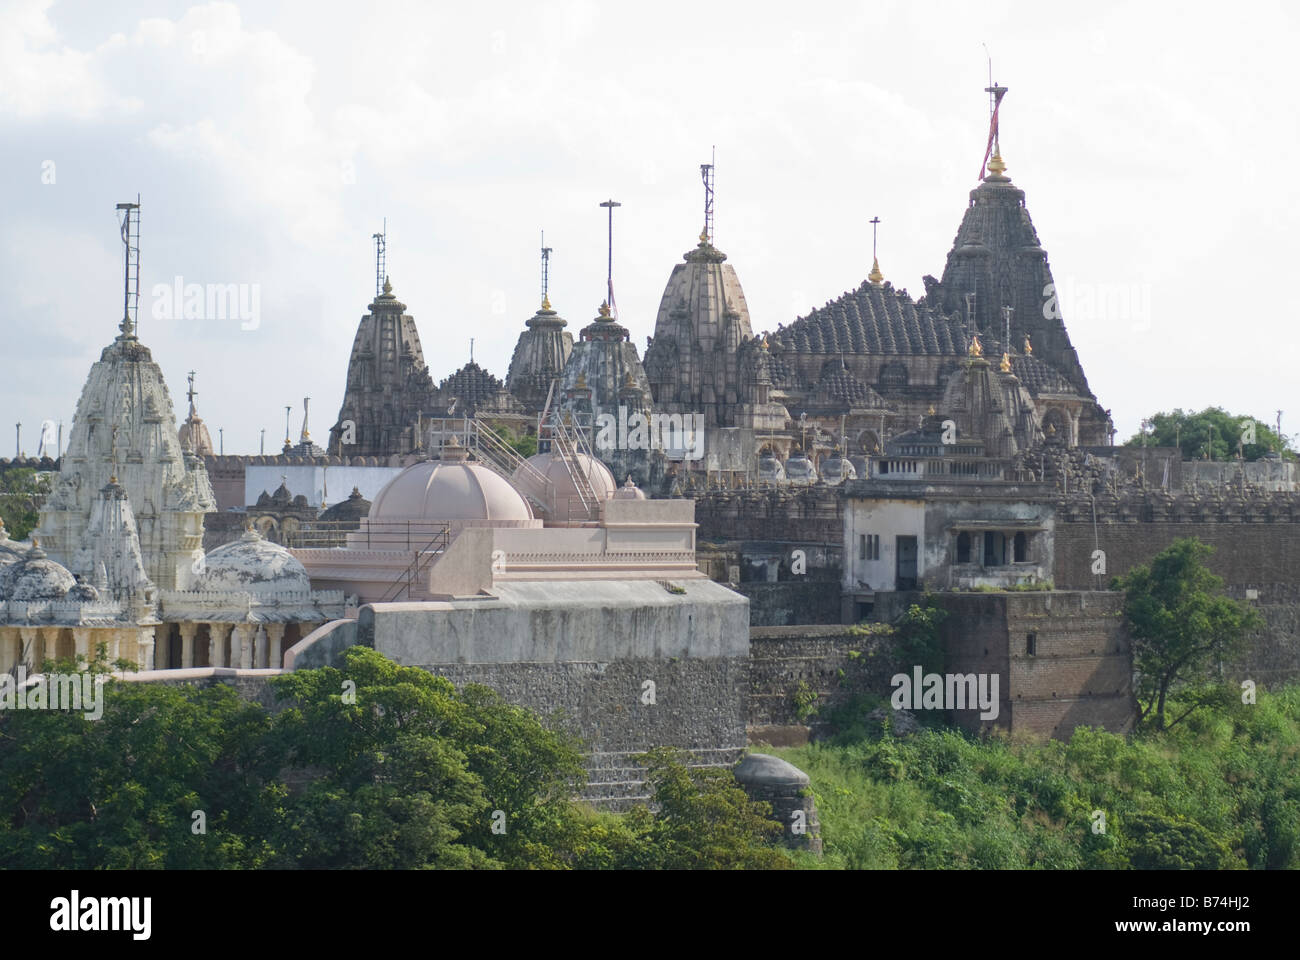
x: 51, y: 637
x: 114, y: 645
x: 242, y: 639
x: 259, y: 647
x: 10, y: 648
x: 188, y: 632
x: 27, y: 646
x: 81, y: 643
x: 217, y: 633
x: 144, y: 648
x: 275, y: 632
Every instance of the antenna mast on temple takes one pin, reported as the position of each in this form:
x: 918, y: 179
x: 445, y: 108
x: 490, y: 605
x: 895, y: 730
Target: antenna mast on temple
x: 130, y: 224
x: 609, y: 277
x: 381, y: 264
x: 546, y: 273
x: 875, y: 276
x: 707, y: 175
x: 288, y: 444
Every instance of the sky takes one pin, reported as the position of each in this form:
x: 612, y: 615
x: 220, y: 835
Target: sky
x: 1156, y: 144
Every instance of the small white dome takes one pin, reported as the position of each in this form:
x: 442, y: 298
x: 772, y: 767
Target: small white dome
x: 35, y: 577
x: 563, y: 491
x: 252, y: 565
x: 449, y: 489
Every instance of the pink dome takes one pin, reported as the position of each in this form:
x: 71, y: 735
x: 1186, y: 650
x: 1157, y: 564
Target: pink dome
x: 449, y: 489
x: 562, y: 489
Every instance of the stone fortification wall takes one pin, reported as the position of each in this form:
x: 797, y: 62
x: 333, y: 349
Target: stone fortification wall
x: 1063, y: 658
x: 833, y: 663
x: 628, y: 665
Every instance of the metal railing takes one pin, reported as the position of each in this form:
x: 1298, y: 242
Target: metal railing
x: 368, y: 534
x: 411, y: 575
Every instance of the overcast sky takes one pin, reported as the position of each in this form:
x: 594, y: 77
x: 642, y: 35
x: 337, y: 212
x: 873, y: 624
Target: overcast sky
x: 1156, y: 144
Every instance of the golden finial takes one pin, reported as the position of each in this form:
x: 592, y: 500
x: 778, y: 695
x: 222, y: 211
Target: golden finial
x: 930, y: 412
x: 546, y: 302
x: 604, y: 310
x: 1051, y: 430
x: 1029, y: 347
x: 765, y: 341
x: 875, y: 276
x: 976, y: 348
x: 388, y: 286
x: 704, y: 237
x: 1005, y: 365
x: 996, y: 165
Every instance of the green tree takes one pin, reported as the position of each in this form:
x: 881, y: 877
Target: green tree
x: 121, y: 792
x: 22, y: 492
x: 1212, y: 432
x: 409, y: 772
x: 703, y: 820
x: 1180, y: 625
x: 525, y: 445
x: 916, y: 638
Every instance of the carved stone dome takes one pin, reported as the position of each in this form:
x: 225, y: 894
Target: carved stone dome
x: 450, y: 489
x: 35, y: 577
x: 252, y: 564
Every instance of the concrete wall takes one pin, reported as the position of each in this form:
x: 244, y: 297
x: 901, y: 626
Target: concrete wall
x: 596, y: 651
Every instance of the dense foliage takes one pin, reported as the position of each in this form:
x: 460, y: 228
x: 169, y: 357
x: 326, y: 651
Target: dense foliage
x: 1221, y: 790
x: 1212, y: 434
x: 371, y: 765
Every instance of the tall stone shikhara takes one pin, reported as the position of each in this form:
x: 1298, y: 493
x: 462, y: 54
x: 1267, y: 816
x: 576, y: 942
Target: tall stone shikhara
x: 124, y: 434
x: 388, y: 384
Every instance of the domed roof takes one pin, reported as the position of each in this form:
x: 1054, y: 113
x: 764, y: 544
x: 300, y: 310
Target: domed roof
x: 253, y: 565
x: 564, y: 491
x: 629, y: 491
x: 83, y: 592
x: 449, y: 489
x: 35, y: 577
x: 353, y: 508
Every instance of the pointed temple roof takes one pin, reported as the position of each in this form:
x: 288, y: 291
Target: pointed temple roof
x: 124, y: 432
x: 475, y: 390
x: 997, y: 256
x: 539, y: 357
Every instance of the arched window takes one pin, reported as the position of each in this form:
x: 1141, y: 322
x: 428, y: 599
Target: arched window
x: 1020, y: 548
x: 963, y: 547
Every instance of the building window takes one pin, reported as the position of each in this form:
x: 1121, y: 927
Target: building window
x: 995, y: 549
x: 1031, y: 644
x: 1020, y: 550
x: 963, y: 547
x: 869, y: 546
